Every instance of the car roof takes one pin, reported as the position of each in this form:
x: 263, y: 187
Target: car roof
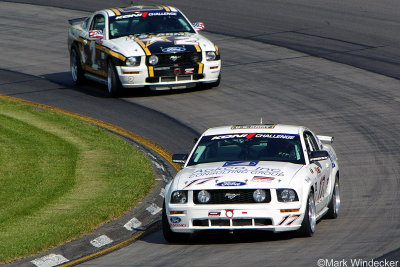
x: 121, y: 11
x: 256, y: 128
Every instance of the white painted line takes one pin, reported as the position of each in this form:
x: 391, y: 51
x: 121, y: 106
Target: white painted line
x: 159, y: 166
x: 50, y: 260
x: 132, y: 224
x: 151, y: 155
x: 153, y: 209
x: 162, y: 192
x: 101, y: 241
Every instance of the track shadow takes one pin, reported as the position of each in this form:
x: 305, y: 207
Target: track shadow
x: 222, y: 237
x: 100, y: 90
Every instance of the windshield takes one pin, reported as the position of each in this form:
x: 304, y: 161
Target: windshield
x: 248, y: 147
x: 148, y: 23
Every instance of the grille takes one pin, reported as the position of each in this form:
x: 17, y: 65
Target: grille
x: 229, y: 196
x: 180, y: 59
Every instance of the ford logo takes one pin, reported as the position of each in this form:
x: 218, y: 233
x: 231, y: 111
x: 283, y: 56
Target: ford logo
x: 175, y: 220
x: 173, y: 49
x: 231, y: 183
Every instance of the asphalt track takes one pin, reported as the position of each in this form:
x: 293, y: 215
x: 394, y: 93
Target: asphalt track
x: 359, y: 107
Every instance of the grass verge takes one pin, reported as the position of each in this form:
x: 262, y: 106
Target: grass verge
x: 60, y: 178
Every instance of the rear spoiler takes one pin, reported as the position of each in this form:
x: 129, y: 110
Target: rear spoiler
x: 326, y: 139
x: 73, y: 21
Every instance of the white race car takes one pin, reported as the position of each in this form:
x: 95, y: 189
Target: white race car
x: 260, y: 177
x: 139, y: 46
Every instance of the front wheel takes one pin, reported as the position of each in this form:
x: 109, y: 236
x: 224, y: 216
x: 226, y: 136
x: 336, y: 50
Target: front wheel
x: 113, y: 85
x: 169, y: 235
x: 334, y: 203
x: 310, y: 218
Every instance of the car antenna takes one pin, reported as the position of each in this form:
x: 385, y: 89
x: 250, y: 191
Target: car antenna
x: 261, y: 120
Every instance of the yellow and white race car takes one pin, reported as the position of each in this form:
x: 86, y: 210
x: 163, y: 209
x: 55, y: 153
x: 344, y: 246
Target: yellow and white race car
x: 138, y: 46
x: 255, y: 177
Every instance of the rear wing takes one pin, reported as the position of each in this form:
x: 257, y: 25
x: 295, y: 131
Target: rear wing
x: 74, y: 21
x: 326, y: 139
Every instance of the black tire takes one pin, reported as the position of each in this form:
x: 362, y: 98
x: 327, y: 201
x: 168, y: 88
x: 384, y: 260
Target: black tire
x: 113, y: 83
x: 309, y: 222
x: 169, y: 235
x: 211, y: 85
x: 334, y: 203
x: 76, y: 68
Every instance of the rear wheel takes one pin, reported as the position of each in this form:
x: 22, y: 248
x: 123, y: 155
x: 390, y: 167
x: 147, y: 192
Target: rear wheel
x: 76, y: 68
x: 310, y: 218
x: 113, y: 84
x: 169, y: 235
x: 334, y: 203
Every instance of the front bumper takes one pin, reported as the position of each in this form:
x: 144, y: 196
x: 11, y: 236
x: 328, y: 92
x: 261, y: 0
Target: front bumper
x: 270, y: 217
x: 140, y: 76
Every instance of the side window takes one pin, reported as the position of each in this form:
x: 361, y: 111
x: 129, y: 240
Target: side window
x: 98, y: 23
x: 310, y: 141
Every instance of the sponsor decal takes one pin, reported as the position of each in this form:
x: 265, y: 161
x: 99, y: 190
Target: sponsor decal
x: 318, y: 169
x: 200, y: 181
x: 231, y: 183
x: 240, y: 163
x: 173, y: 49
x: 153, y: 14
x: 251, y: 135
x: 232, y: 195
x: 263, y: 126
x: 229, y: 213
x: 96, y: 34
x: 199, y: 26
x: 214, y: 214
x: 178, y: 225
x: 262, y: 179
x: 258, y: 171
x: 133, y: 15
x: 177, y: 71
x: 175, y: 219
x: 189, y: 71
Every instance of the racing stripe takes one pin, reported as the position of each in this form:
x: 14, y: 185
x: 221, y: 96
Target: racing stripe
x: 198, y: 49
x: 216, y: 50
x: 200, y: 67
x: 166, y: 8
x: 146, y: 50
x: 116, y: 11
x: 151, y: 71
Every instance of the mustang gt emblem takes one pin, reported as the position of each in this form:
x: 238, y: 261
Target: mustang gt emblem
x: 231, y: 195
x: 174, y: 58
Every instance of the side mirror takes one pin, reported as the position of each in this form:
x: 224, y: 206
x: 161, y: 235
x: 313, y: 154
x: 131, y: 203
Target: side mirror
x: 319, y: 155
x: 96, y: 34
x: 198, y: 26
x: 179, y: 158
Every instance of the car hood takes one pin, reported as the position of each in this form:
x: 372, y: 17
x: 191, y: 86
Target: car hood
x: 160, y: 44
x: 237, y: 174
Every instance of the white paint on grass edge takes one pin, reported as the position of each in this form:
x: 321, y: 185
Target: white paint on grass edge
x: 153, y: 209
x: 50, y: 260
x: 101, y: 241
x: 132, y: 224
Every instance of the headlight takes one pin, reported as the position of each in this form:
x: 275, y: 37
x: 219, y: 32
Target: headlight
x: 259, y: 195
x: 179, y: 197
x: 153, y: 60
x: 132, y: 61
x: 286, y: 195
x: 210, y: 56
x: 203, y: 196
